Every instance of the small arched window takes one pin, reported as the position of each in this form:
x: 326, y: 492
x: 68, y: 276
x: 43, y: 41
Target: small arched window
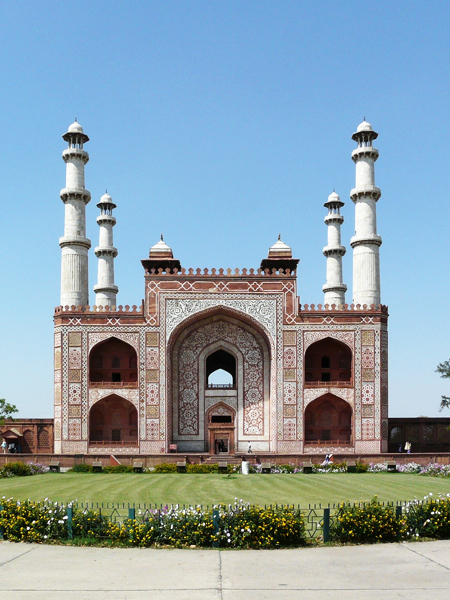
x: 221, y: 369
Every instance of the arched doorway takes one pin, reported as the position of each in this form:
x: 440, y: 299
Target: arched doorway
x: 113, y: 362
x: 225, y: 344
x: 220, y: 425
x: 328, y: 360
x: 113, y: 422
x: 328, y: 421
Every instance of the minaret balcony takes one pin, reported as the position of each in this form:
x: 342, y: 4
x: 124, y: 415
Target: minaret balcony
x: 365, y: 190
x: 334, y: 250
x: 106, y: 251
x: 106, y: 219
x: 75, y: 193
x: 75, y: 241
x: 365, y: 151
x: 334, y: 218
x: 69, y: 153
x: 334, y: 287
x: 108, y: 288
x: 370, y: 239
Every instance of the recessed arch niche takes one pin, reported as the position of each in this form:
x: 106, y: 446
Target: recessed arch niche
x: 113, y: 421
x: 241, y: 350
x: 328, y: 419
x: 328, y: 360
x: 113, y: 361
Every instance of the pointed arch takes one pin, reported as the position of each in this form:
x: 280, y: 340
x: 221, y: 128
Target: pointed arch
x: 189, y: 397
x: 329, y: 419
x: 113, y: 421
x: 113, y: 361
x: 328, y: 360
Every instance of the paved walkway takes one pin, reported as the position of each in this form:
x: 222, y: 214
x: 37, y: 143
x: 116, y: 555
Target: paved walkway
x: 416, y: 571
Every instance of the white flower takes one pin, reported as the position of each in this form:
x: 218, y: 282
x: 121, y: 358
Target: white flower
x: 28, y: 529
x: 229, y: 541
x: 45, y: 537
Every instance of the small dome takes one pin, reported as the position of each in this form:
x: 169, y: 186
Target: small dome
x: 75, y: 128
x: 333, y: 197
x: 106, y: 199
x: 333, y: 200
x: 161, y: 249
x: 364, y: 126
x: 106, y: 202
x: 280, y: 249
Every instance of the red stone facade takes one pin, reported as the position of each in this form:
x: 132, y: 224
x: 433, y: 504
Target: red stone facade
x: 305, y: 379
x: 29, y: 436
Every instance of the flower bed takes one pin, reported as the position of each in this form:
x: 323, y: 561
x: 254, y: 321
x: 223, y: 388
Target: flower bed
x: 21, y: 469
x: 367, y: 523
x: 237, y: 525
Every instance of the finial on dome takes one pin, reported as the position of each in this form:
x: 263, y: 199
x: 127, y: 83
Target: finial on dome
x: 279, y: 237
x: 162, y: 237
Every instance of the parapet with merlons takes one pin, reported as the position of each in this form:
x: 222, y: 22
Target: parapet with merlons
x: 128, y: 315
x: 343, y: 313
x: 214, y: 273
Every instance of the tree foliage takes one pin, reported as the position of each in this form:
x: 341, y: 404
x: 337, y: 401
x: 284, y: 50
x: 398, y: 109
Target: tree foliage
x: 444, y: 371
x: 6, y: 410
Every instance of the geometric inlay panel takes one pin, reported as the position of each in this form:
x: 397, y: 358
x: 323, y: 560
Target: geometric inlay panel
x: 290, y: 375
x: 368, y: 338
x: 368, y: 393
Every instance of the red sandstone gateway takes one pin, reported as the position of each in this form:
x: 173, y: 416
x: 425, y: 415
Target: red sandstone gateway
x: 215, y: 361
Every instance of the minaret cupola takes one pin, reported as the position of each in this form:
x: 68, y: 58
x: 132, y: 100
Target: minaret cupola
x: 74, y: 244
x: 280, y: 257
x: 106, y: 290
x: 334, y: 288
x: 366, y: 242
x: 161, y: 257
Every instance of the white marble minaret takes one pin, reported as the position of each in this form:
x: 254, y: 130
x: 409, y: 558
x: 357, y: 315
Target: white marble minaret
x: 334, y: 288
x: 105, y: 290
x: 366, y: 242
x: 74, y: 243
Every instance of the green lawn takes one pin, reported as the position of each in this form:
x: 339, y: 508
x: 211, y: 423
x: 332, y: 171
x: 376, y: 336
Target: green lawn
x: 213, y: 488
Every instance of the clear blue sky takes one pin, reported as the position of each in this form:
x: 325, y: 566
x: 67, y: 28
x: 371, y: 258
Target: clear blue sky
x: 222, y: 124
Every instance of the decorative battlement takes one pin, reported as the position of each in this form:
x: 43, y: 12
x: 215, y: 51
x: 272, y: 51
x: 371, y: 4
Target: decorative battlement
x: 214, y: 273
x: 95, y: 310
x: 380, y: 308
